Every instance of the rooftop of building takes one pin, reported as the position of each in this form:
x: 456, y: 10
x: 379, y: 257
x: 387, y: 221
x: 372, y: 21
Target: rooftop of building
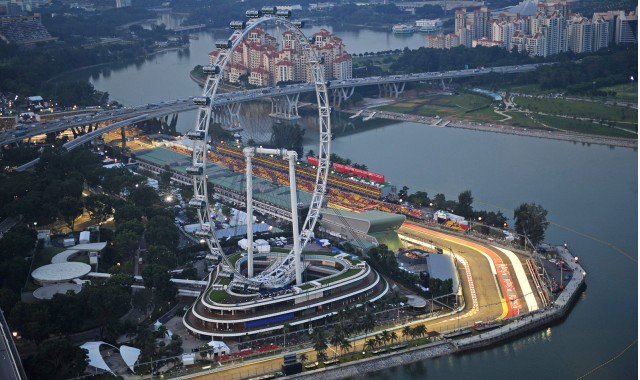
x: 219, y: 176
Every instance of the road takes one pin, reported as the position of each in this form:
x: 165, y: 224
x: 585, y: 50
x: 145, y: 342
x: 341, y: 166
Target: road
x: 155, y: 110
x: 10, y: 365
x: 490, y: 304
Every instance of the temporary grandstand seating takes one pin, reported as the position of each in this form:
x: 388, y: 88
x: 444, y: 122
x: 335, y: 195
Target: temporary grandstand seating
x: 23, y: 30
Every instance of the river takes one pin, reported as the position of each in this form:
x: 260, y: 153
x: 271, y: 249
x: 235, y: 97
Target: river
x: 590, y: 191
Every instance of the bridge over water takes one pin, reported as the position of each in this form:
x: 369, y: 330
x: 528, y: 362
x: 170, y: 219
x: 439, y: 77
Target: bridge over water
x: 284, y: 104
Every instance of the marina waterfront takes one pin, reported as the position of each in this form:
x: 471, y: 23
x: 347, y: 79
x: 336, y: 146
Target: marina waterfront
x: 590, y: 192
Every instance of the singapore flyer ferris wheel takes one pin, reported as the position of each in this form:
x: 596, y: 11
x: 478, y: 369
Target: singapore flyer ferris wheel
x: 289, y: 268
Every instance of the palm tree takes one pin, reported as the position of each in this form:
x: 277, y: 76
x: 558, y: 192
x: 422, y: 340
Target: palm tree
x: 406, y: 332
x: 379, y: 340
x: 368, y: 323
x: 335, y: 340
x: 345, y: 345
x: 371, y: 344
x: 303, y: 357
x: 421, y: 330
x: 393, y: 337
x: 319, y: 341
x: 321, y: 356
x: 386, y: 337
x: 413, y: 333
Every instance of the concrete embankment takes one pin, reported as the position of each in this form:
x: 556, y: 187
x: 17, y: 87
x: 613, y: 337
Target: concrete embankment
x: 378, y: 363
x: 531, y: 321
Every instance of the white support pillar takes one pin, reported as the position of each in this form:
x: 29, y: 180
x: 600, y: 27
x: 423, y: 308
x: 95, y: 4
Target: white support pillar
x: 248, y: 153
x: 293, y: 157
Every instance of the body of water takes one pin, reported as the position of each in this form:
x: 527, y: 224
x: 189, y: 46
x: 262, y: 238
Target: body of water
x: 591, y: 193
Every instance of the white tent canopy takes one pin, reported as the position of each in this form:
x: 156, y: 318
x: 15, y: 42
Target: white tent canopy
x: 95, y: 358
x: 219, y: 347
x: 129, y: 355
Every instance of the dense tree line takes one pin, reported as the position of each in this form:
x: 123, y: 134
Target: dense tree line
x: 140, y: 215
x: 608, y: 67
x: 573, y: 73
x: 287, y: 136
x: 463, y: 206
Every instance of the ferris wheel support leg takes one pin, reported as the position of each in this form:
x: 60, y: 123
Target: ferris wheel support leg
x: 248, y: 152
x: 293, y: 156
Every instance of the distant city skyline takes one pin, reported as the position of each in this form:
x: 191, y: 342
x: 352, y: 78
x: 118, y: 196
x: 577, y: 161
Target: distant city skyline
x: 540, y: 29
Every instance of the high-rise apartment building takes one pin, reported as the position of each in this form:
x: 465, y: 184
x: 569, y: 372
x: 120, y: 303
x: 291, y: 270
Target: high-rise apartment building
x: 580, y: 34
x: 259, y: 59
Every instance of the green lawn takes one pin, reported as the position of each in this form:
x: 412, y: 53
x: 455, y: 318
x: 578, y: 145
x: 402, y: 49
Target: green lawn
x: 583, y: 109
x: 627, y: 92
x: 234, y: 258
x: 218, y: 295
x: 44, y: 256
x: 582, y: 126
x: 521, y: 120
x: 464, y: 106
x: 321, y: 253
x: 344, y: 275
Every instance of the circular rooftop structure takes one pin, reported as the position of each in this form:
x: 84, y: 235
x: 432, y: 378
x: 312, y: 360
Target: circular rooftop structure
x: 62, y: 272
x: 47, y: 292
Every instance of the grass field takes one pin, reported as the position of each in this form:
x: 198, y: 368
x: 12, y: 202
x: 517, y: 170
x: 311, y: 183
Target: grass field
x: 624, y: 92
x: 218, y: 295
x: 44, y: 256
x: 582, y: 126
x: 462, y: 106
x: 346, y: 274
x: 582, y: 109
x: 561, y: 114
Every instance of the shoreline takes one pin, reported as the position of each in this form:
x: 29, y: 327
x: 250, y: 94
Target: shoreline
x: 553, y: 135
x: 517, y: 326
x: 504, y: 129
x: 164, y: 50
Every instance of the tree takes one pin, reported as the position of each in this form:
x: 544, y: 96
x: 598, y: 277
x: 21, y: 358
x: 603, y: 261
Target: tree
x: 319, y: 345
x: 403, y: 193
x: 393, y: 337
x: 144, y: 196
x: 99, y: 206
x: 336, y: 339
x: 57, y: 359
x: 164, y: 183
x: 439, y: 201
x: 127, y: 242
x: 345, y: 345
x: 386, y: 337
x: 464, y: 207
x: 303, y: 357
x: 531, y: 221
x: 288, y: 136
x: 371, y: 344
x: 69, y: 208
x: 420, y: 330
x: 406, y: 332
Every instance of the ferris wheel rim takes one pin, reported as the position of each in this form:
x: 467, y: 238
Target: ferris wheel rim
x: 203, y: 120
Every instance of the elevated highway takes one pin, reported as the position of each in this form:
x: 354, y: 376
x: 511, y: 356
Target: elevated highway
x: 390, y: 85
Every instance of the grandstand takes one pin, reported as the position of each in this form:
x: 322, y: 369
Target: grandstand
x: 344, y: 192
x: 227, y: 180
x: 25, y: 31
